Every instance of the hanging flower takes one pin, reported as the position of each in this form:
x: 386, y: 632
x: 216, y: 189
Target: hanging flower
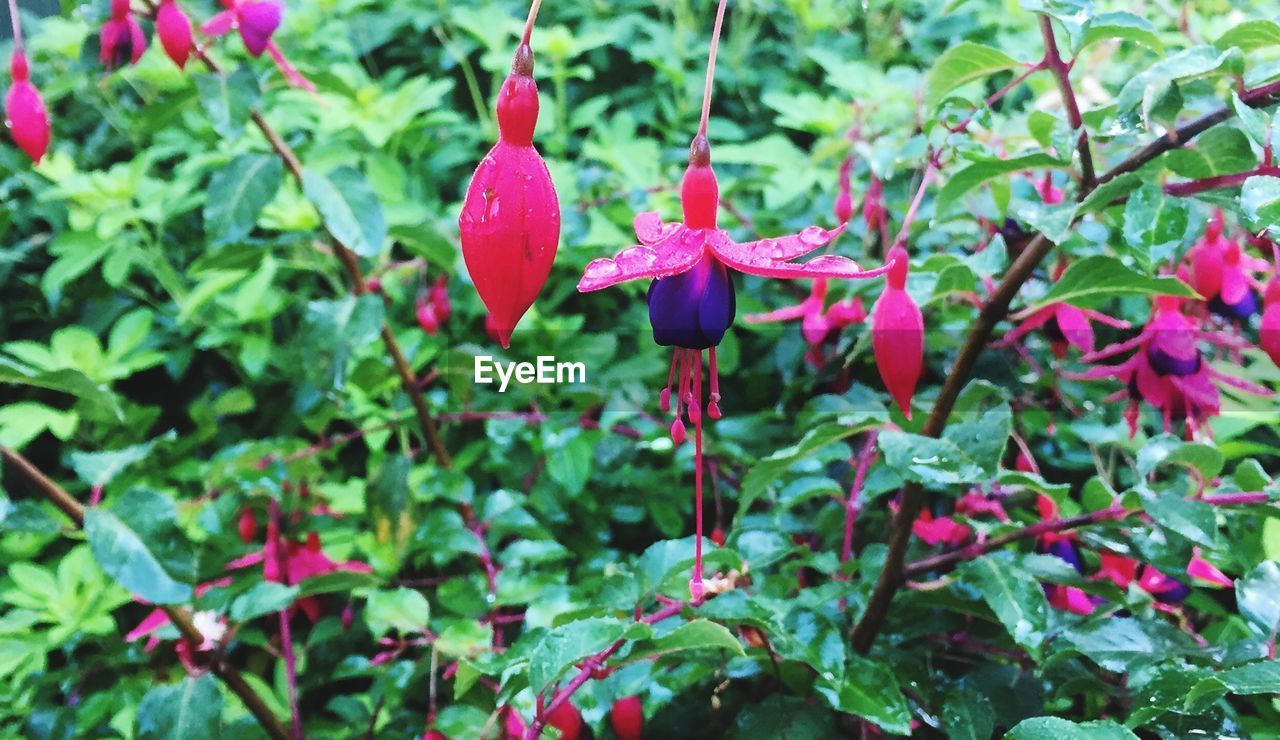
x: 844, y: 199
x: 121, y: 39
x: 627, y: 718
x: 1167, y: 369
x: 510, y: 220
x: 433, y: 307
x: 897, y: 334
x: 1065, y: 325
x: 820, y: 324
x: 1205, y: 572
x: 24, y: 111
x: 257, y: 21
x: 873, y: 208
x: 173, y: 28
x: 942, y: 530
x: 292, y: 563
x: 1269, y: 329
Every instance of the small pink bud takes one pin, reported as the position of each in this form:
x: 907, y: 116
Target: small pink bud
x: 373, y: 285
x: 1205, y: 572
x: 439, y: 296
x: 173, y: 27
x: 248, y: 526
x: 348, y: 616
x: 427, y: 318
x: 627, y: 718
x: 844, y: 207
x: 897, y: 334
x: 24, y: 111
x: 873, y: 205
x: 121, y: 39
x: 717, y: 536
x: 677, y: 432
x: 568, y: 720
x: 664, y: 400
x: 713, y: 407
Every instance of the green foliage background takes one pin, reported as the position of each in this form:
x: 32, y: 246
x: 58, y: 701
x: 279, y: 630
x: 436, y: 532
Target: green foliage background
x: 175, y: 332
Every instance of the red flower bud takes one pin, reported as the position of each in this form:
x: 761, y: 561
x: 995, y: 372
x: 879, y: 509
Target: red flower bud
x: 439, y: 296
x: 717, y: 536
x: 434, y: 735
x: 513, y: 724
x: 173, y: 27
x: 24, y: 111
x: 873, y: 210
x: 568, y: 720
x: 627, y: 718
x: 844, y: 201
x: 897, y: 334
x: 510, y: 220
x: 427, y: 316
x: 248, y: 525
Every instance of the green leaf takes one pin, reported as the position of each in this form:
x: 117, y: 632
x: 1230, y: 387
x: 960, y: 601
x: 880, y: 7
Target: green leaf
x: 1218, y: 151
x: 1125, y: 26
x: 137, y: 541
x: 237, y: 194
x: 349, y: 207
x: 1154, y: 224
x: 977, y: 173
x: 190, y: 710
x: 1256, y: 595
x: 1194, y: 520
x: 569, y: 643
x: 1014, y: 596
x: 1056, y: 728
x: 69, y: 381
x: 1148, y: 87
x: 967, y: 715
x: 1260, y: 201
x: 1090, y: 281
x: 1250, y: 35
x: 764, y: 473
x: 963, y: 63
x: 1256, y: 123
x: 1118, y: 644
x: 698, y: 634
x: 983, y: 439
x: 1167, y: 449
x: 871, y: 691
x: 403, y: 610
x: 228, y: 99
x: 99, y: 468
x: 570, y: 463
x: 263, y: 598
x: 926, y: 460
x: 1101, y: 197
x: 1262, y: 677
x: 337, y: 582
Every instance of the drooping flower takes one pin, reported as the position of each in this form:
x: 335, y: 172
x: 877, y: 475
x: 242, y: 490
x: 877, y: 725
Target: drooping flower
x: 1269, y: 329
x: 256, y: 20
x: 873, y: 209
x: 121, y: 39
x: 627, y: 718
x: 1168, y: 370
x: 843, y: 208
x: 211, y: 626
x: 1118, y: 569
x: 1205, y: 572
x: 976, y: 503
x: 568, y: 720
x: 897, y: 334
x: 820, y: 324
x: 940, y: 530
x: 691, y: 299
x: 510, y: 220
x: 433, y: 307
x: 291, y: 563
x: 24, y: 111
x: 1162, y: 588
x: 173, y: 28
x: 1050, y: 194
x: 1065, y: 325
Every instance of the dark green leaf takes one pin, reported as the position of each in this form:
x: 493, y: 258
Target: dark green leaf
x: 137, y: 542
x: 237, y: 194
x: 190, y: 710
x: 1090, y: 281
x: 349, y: 207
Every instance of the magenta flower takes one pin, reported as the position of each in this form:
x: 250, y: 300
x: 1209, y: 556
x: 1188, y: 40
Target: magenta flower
x: 24, y: 111
x: 121, y: 39
x: 820, y: 324
x: 1269, y: 329
x: 1050, y: 194
x: 212, y: 627
x: 257, y: 21
x: 1167, y: 369
x: 1065, y: 325
x: 939, y: 530
x: 294, y: 562
x: 1205, y: 572
x: 844, y: 199
x: 173, y: 28
x: 976, y: 503
x: 897, y: 334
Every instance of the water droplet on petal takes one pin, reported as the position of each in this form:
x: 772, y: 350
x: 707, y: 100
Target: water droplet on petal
x: 814, y: 236
x: 602, y: 269
x: 635, y: 259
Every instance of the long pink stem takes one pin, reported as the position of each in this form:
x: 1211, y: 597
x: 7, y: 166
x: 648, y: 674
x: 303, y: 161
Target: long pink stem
x: 1192, y: 187
x: 696, y: 590
x: 711, y: 68
x: 17, y: 26
x: 1231, y: 499
x: 528, y: 23
x: 930, y: 171
x: 286, y: 634
x: 590, y: 666
x: 995, y: 97
x: 1062, y: 72
x: 855, y: 491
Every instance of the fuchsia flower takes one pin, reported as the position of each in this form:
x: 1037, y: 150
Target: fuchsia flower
x: 819, y: 324
x: 173, y: 28
x: 939, y: 530
x: 627, y: 718
x: 1051, y: 194
x: 873, y: 209
x: 976, y: 503
x: 1064, y: 324
x: 510, y: 220
x: 292, y: 563
x: 1205, y: 572
x: 844, y: 200
x: 1222, y: 273
x: 897, y: 334
x: 211, y: 626
x: 121, y: 39
x: 257, y: 21
x: 691, y: 296
x: 1168, y: 370
x: 1269, y: 329
x: 24, y: 111
x: 433, y: 307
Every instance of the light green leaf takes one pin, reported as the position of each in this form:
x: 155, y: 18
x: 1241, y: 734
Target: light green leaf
x: 190, y: 710
x: 228, y: 99
x: 1015, y: 597
x: 1250, y: 35
x: 349, y: 207
x: 977, y: 173
x: 1121, y: 25
x: 963, y: 63
x: 1092, y: 280
x: 1155, y: 224
x: 569, y: 643
x: 1056, y: 728
x: 403, y: 610
x: 926, y: 460
x: 237, y: 194
x: 137, y: 542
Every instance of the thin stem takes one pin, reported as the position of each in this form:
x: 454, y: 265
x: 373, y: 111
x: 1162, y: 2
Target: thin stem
x: 995, y: 97
x: 17, y: 26
x: 855, y: 491
x: 589, y: 667
x: 1062, y: 70
x: 695, y: 586
x: 711, y: 68
x: 179, y: 618
x: 286, y: 634
x: 528, y: 24
x: 1192, y: 187
x: 913, y: 210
